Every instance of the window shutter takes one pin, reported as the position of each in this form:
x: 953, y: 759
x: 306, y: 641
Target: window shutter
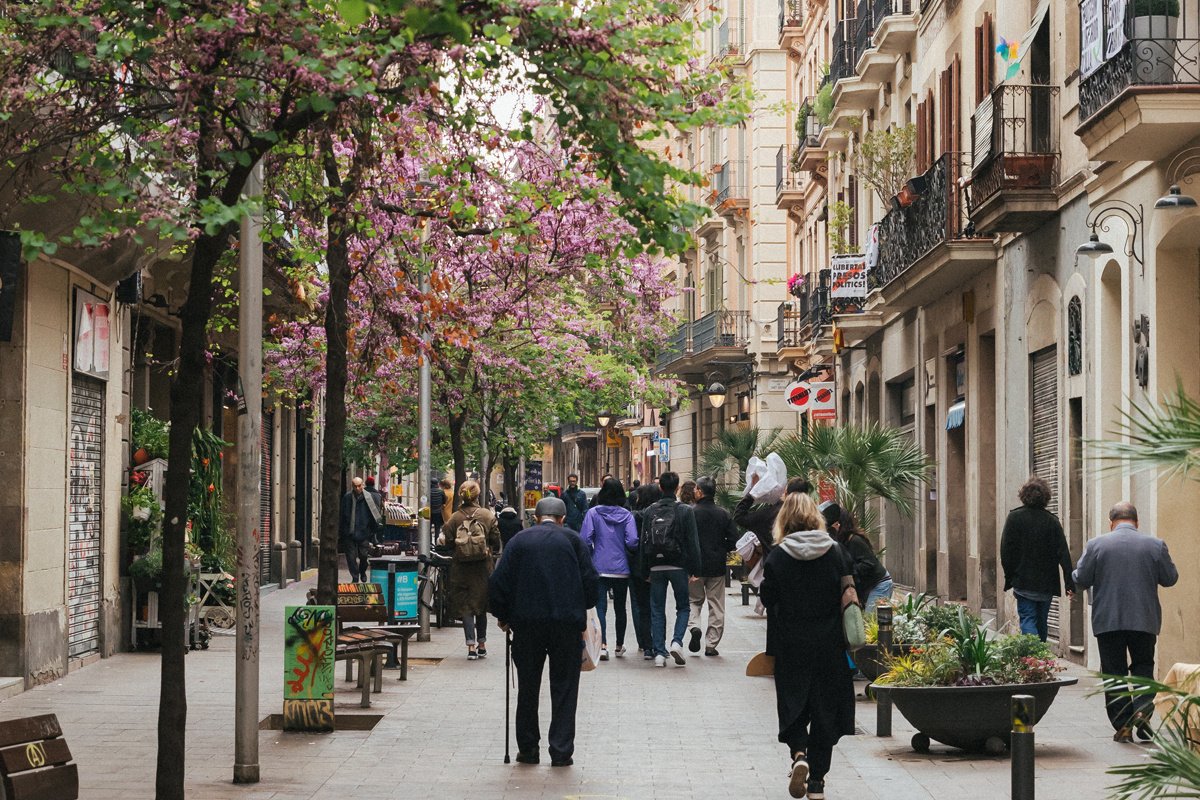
x: 989, y: 60
x: 979, y: 68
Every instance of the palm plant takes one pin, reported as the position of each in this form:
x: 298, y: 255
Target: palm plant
x: 1158, y: 436
x: 1172, y: 767
x: 862, y: 463
x: 729, y: 454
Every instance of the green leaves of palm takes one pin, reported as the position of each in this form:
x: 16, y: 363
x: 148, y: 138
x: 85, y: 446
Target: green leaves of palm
x: 1159, y: 436
x: 862, y: 463
x: 1172, y: 767
x: 732, y: 450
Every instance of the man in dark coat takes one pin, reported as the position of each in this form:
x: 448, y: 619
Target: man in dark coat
x: 360, y: 521
x: 717, y: 536
x: 670, y: 554
x: 541, y: 591
x: 759, y: 518
x: 1032, y: 551
x: 577, y: 503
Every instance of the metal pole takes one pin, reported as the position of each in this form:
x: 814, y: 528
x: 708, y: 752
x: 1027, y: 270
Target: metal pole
x: 883, y: 647
x: 424, y: 440
x: 1021, y: 743
x: 485, y: 466
x: 245, y: 738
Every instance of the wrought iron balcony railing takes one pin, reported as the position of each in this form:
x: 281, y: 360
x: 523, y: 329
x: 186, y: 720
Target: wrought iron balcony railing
x: 720, y: 329
x: 791, y: 14
x: 844, y: 56
x: 885, y: 8
x: 729, y: 41
x: 784, y: 177
x: 1155, y: 50
x: 864, y: 28
x: 679, y: 346
x: 729, y: 183
x: 1015, y: 132
x: 938, y: 215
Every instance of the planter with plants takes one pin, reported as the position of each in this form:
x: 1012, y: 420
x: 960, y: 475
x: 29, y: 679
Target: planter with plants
x: 149, y: 436
x: 911, y: 623
x: 1154, y: 30
x: 957, y: 688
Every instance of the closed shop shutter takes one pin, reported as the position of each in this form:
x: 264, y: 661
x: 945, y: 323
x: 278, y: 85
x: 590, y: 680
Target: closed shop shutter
x: 85, y: 521
x: 266, y: 497
x: 1044, y: 402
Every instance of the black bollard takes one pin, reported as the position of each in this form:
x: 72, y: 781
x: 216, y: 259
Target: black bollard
x: 1021, y: 745
x: 883, y: 646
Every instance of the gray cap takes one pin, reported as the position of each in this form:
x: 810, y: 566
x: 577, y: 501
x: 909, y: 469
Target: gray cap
x: 550, y: 507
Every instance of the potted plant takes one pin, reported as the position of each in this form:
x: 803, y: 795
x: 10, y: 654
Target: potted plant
x: 143, y: 517
x: 911, y: 622
x: 1154, y: 30
x: 957, y: 688
x: 795, y: 285
x: 149, y: 436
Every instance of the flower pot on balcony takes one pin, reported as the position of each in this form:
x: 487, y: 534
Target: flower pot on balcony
x: 1028, y: 170
x: 140, y: 456
x: 1154, y: 48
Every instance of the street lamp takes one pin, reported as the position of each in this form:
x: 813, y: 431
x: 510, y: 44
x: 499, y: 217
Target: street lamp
x: 604, y: 418
x: 716, y: 393
x: 1175, y: 199
x: 1098, y: 219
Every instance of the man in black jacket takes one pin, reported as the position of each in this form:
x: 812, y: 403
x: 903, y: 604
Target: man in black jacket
x: 670, y: 554
x: 358, y: 526
x: 717, y: 535
x: 541, y: 591
x: 759, y: 519
x: 577, y: 503
x: 1032, y: 551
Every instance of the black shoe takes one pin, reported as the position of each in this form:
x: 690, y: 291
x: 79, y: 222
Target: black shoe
x: 694, y: 644
x: 528, y: 758
x: 816, y: 790
x: 562, y: 762
x: 711, y: 651
x: 482, y: 651
x: 1144, y: 733
x: 1124, y: 736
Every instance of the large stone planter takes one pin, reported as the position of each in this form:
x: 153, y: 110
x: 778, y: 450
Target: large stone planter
x: 870, y: 662
x: 973, y: 718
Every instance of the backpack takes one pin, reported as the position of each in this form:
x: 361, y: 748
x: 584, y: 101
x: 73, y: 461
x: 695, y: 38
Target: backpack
x: 662, y: 541
x: 470, y: 540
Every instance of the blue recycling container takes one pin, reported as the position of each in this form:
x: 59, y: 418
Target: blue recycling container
x: 398, y: 577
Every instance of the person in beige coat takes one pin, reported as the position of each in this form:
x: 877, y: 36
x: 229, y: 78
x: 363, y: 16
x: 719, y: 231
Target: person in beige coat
x: 473, y: 535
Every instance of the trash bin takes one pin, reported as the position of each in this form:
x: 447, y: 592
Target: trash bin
x: 398, y: 577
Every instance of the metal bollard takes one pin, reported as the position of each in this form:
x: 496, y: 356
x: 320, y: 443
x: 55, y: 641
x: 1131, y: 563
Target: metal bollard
x: 1021, y: 745
x: 281, y: 554
x: 883, y: 698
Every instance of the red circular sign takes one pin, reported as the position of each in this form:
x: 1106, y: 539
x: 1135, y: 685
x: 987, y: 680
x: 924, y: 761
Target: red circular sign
x: 798, y: 396
x: 824, y: 395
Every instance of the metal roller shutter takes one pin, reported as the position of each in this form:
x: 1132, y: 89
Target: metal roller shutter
x: 85, y: 521
x: 265, y: 497
x: 1044, y: 389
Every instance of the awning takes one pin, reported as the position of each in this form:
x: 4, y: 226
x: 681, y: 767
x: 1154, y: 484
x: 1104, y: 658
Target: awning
x: 957, y: 415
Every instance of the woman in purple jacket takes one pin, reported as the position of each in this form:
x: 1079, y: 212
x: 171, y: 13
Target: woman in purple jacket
x: 610, y: 531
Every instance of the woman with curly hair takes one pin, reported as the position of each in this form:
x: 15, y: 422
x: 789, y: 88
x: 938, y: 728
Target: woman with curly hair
x: 1033, y: 549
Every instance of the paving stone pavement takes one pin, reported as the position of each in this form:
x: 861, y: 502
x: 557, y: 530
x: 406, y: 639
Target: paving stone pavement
x: 696, y: 732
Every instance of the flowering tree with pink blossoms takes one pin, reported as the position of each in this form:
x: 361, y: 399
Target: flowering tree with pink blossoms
x: 152, y: 113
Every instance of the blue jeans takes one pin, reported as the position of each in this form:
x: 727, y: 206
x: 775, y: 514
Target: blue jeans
x: 619, y: 587
x: 678, y: 579
x: 1033, y: 614
x: 882, y: 591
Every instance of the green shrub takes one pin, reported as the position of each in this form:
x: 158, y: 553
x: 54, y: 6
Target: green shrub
x: 146, y: 570
x: 141, y: 532
x: 150, y: 433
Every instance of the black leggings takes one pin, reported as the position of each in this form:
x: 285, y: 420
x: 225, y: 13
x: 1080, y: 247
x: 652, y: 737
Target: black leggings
x: 819, y: 756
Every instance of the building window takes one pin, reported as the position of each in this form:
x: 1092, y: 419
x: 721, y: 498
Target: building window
x: 1075, y: 336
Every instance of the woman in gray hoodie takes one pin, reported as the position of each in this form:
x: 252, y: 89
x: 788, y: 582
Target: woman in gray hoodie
x: 804, y: 578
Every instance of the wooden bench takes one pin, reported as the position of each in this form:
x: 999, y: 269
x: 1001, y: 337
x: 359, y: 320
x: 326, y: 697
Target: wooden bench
x: 394, y: 637
x: 34, y: 760
x: 369, y: 656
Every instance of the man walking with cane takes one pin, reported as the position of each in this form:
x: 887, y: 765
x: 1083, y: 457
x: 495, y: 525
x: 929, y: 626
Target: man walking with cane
x: 541, y: 591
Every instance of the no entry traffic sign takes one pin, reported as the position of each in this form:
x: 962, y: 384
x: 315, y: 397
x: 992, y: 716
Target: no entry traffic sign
x: 798, y: 395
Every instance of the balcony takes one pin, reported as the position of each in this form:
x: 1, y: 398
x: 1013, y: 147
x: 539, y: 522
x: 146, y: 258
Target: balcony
x: 810, y: 155
x: 789, y: 191
x: 1143, y: 102
x: 1015, y: 166
x: 791, y: 24
x: 729, y: 188
x: 574, y: 431
x: 895, y: 26
x: 930, y: 247
x: 717, y: 336
x: 841, y: 67
x: 728, y: 41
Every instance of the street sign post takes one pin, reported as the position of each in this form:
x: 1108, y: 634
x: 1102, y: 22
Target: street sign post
x: 664, y: 450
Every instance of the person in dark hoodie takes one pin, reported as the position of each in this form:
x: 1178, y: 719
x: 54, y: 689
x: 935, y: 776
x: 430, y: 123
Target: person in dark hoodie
x: 670, y: 554
x: 641, y: 499
x: 805, y: 577
x: 610, y: 531
x: 510, y: 524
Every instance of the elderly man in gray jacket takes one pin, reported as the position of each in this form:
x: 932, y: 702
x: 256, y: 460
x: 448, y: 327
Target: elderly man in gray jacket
x: 1124, y: 569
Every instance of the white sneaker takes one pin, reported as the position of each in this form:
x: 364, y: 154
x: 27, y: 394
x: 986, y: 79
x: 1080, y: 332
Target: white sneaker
x: 604, y: 654
x: 660, y: 661
x: 620, y: 651
x: 676, y: 651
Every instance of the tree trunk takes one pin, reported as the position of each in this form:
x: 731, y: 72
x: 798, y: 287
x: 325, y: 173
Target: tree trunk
x: 334, y: 434
x: 510, y: 479
x: 186, y: 386
x: 458, y: 424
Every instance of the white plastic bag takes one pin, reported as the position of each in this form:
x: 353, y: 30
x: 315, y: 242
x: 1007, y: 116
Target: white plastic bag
x: 756, y: 466
x: 745, y: 549
x: 770, y: 486
x: 592, y: 637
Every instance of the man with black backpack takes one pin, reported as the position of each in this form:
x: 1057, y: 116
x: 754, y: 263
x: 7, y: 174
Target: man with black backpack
x: 670, y: 555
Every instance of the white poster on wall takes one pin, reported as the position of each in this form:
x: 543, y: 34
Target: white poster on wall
x: 1091, y: 36
x: 1115, y: 34
x: 848, y: 277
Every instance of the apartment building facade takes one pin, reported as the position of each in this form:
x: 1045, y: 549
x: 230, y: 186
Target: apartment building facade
x: 983, y: 332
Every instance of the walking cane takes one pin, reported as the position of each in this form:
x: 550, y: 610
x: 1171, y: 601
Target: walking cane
x: 507, y: 691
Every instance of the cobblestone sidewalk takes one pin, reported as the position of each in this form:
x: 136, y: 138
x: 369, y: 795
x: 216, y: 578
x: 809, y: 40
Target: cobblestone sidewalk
x: 703, y: 731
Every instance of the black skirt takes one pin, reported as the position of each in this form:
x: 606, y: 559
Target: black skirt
x: 818, y: 691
